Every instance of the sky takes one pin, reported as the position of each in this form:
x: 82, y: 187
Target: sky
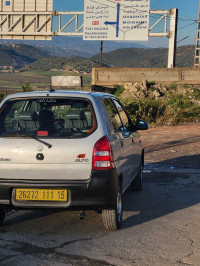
x: 188, y: 14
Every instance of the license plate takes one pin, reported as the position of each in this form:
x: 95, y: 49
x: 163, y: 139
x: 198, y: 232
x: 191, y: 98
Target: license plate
x: 41, y: 194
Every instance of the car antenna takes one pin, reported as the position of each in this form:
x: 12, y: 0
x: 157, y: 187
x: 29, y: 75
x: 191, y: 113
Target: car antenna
x: 51, y: 89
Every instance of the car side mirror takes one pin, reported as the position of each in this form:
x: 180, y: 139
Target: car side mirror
x: 142, y: 125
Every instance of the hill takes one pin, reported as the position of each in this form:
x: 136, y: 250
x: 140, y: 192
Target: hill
x: 17, y: 55
x: 75, y: 46
x: 60, y: 63
x: 25, y: 57
x: 127, y: 57
x: 157, y: 57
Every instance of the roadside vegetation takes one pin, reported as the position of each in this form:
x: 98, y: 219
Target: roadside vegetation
x: 160, y: 104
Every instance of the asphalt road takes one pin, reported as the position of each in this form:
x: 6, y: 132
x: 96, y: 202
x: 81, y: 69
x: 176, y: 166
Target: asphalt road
x: 161, y: 224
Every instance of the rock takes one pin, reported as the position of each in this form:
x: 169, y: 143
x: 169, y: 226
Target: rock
x: 128, y: 85
x: 156, y: 94
x: 134, y: 89
x: 144, y: 84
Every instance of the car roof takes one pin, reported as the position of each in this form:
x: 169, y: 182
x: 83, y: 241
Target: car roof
x: 60, y: 93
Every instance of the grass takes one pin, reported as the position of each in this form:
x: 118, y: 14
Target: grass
x: 9, y: 84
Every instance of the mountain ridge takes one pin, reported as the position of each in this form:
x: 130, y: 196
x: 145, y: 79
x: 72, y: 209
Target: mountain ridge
x: 25, y: 57
x: 144, y: 58
x: 75, y: 45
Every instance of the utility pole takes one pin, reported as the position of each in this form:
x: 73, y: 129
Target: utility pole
x: 173, y: 38
x: 197, y: 44
x: 101, y: 55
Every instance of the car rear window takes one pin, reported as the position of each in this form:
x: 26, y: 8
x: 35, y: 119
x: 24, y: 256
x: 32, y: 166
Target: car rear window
x: 48, y: 117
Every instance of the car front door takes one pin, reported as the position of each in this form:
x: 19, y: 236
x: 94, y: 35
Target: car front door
x: 132, y: 145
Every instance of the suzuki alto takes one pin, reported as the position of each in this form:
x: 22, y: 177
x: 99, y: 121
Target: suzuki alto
x: 68, y: 150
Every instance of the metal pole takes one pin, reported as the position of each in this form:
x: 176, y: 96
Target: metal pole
x: 173, y: 37
x: 101, y: 55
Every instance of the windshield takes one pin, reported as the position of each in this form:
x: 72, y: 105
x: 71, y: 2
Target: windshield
x: 47, y: 117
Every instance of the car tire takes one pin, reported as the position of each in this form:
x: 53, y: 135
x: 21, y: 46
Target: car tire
x: 112, y: 218
x: 136, y: 184
x: 2, y: 216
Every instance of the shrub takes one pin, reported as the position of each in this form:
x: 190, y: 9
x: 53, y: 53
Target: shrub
x: 118, y: 90
x: 174, y: 110
x: 146, y: 109
x: 180, y: 101
x: 26, y: 87
x: 173, y: 87
x: 2, y: 96
x: 196, y: 94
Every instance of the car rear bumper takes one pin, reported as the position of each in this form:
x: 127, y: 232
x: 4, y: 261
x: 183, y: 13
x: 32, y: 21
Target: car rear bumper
x: 96, y: 193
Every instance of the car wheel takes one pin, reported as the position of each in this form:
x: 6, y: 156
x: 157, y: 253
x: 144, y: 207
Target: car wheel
x: 112, y: 218
x: 2, y: 216
x: 136, y: 184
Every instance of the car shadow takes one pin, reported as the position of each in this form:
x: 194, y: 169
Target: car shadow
x: 26, y: 215
x: 172, y: 144
x: 168, y: 186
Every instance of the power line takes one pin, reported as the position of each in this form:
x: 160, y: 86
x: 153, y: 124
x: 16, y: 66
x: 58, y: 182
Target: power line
x: 187, y: 26
x: 183, y: 39
x: 188, y: 19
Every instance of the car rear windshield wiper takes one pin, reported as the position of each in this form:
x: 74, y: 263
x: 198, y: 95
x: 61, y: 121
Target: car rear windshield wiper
x: 27, y: 135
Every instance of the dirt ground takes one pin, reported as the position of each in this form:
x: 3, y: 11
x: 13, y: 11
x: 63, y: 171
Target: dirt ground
x: 177, y: 146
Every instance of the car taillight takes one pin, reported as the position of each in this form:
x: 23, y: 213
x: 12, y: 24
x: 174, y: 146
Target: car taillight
x: 102, y: 155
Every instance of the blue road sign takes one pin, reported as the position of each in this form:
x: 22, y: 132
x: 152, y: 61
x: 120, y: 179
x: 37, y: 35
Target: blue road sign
x: 116, y: 22
x: 7, y: 3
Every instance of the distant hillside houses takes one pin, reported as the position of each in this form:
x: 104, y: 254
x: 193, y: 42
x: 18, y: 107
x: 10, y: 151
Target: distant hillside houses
x: 69, y: 70
x: 6, y: 68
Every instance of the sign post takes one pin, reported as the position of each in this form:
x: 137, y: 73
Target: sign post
x: 26, y: 19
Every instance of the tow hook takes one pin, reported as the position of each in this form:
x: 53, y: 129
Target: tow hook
x: 82, y: 215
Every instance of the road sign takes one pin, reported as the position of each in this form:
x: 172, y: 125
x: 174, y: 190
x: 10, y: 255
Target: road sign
x: 26, y: 19
x: 66, y: 81
x: 118, y: 20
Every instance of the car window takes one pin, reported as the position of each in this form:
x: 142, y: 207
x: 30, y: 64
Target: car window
x: 34, y: 106
x: 113, y: 113
x: 127, y: 124
x: 10, y: 119
x: 53, y: 117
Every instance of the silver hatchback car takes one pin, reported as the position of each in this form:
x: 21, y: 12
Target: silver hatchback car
x: 70, y: 150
